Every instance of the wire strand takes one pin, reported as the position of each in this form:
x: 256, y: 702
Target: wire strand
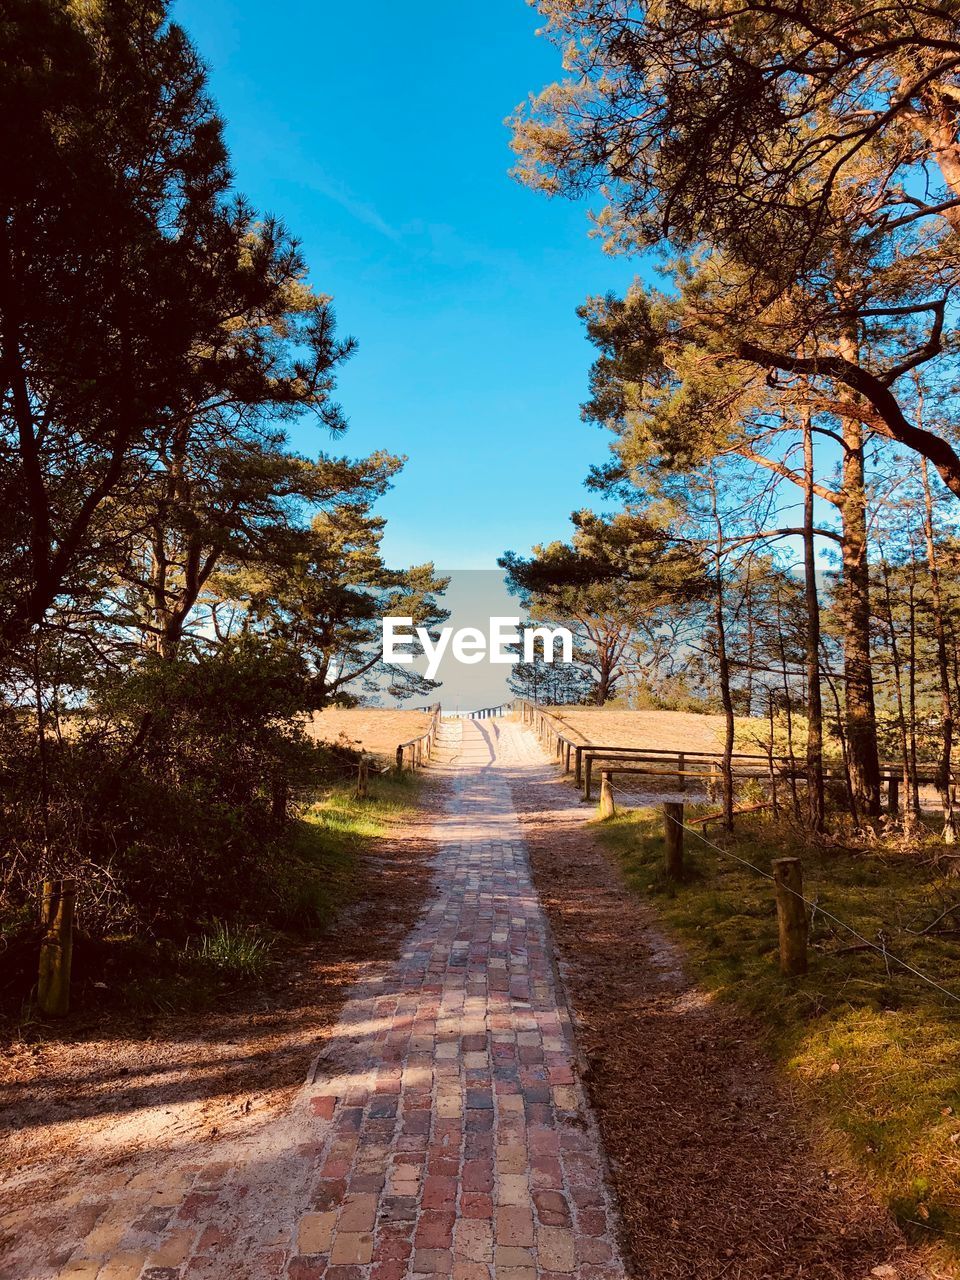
x: 882, y: 951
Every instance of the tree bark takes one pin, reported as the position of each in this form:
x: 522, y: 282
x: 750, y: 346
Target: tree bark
x: 898, y: 687
x: 815, y: 796
x: 726, y: 694
x: 861, y: 722
x: 914, y: 793
x: 944, y: 779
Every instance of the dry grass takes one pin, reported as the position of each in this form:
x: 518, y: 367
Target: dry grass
x: 376, y: 730
x: 676, y: 730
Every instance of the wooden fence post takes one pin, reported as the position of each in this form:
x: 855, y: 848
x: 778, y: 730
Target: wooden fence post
x: 893, y: 794
x: 363, y: 779
x: 56, y: 950
x: 399, y: 759
x: 681, y: 778
x: 791, y: 915
x: 673, y: 840
x: 608, y: 808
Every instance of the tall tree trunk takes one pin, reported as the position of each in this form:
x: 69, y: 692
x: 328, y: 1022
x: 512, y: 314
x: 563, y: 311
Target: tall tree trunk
x: 723, y: 661
x: 815, y: 797
x: 751, y: 642
x: 861, y: 720
x: 898, y: 689
x: 788, y: 708
x: 845, y: 754
x: 912, y: 692
x: 944, y: 779
x: 771, y: 719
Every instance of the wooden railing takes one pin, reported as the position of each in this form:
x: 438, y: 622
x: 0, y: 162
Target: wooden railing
x: 487, y: 713
x: 553, y: 733
x: 580, y: 756
x: 417, y: 751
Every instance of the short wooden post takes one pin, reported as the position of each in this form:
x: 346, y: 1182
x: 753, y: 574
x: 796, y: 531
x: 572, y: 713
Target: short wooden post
x: 56, y: 950
x: 566, y: 763
x: 363, y: 780
x: 673, y: 840
x: 681, y: 775
x: 608, y: 808
x: 578, y: 766
x: 399, y: 759
x: 278, y: 806
x: 791, y: 915
x: 893, y: 795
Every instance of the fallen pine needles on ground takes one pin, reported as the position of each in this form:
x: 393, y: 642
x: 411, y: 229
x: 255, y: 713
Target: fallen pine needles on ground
x: 876, y: 1048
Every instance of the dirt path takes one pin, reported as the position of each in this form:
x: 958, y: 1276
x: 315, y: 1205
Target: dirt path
x: 441, y: 1130
x: 720, y: 1172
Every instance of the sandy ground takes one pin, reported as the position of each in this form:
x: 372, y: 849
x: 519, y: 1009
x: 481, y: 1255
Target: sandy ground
x: 96, y: 1091
x: 376, y: 730
x: 676, y: 730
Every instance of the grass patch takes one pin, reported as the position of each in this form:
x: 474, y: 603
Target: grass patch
x: 237, y: 952
x: 876, y: 1049
x: 317, y: 874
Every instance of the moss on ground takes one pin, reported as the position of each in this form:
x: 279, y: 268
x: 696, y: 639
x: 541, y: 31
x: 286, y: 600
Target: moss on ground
x: 877, y: 1049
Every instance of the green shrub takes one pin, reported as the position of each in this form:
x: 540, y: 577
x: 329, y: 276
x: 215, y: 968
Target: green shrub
x: 161, y: 797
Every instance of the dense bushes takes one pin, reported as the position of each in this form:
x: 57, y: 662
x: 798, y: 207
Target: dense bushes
x: 164, y: 797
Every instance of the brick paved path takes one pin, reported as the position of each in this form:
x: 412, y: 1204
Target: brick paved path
x: 443, y: 1131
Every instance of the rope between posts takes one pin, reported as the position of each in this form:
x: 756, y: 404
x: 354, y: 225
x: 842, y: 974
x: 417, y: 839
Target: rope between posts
x: 882, y: 951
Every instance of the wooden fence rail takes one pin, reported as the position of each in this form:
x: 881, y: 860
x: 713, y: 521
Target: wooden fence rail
x: 561, y: 740
x: 416, y: 751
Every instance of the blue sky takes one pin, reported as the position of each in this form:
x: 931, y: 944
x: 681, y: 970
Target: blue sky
x: 377, y: 134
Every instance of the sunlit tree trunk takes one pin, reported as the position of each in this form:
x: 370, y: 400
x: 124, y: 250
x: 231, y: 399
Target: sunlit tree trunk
x: 723, y: 662
x: 815, y: 797
x: 861, y: 720
x: 898, y: 690
x: 912, y: 690
x: 944, y: 779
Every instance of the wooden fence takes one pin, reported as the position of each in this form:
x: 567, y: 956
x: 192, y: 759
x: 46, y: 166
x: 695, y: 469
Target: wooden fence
x: 575, y: 754
x: 415, y: 752
x: 487, y: 713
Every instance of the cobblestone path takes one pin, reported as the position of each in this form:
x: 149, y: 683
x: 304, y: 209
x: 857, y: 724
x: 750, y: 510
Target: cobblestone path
x: 443, y: 1131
